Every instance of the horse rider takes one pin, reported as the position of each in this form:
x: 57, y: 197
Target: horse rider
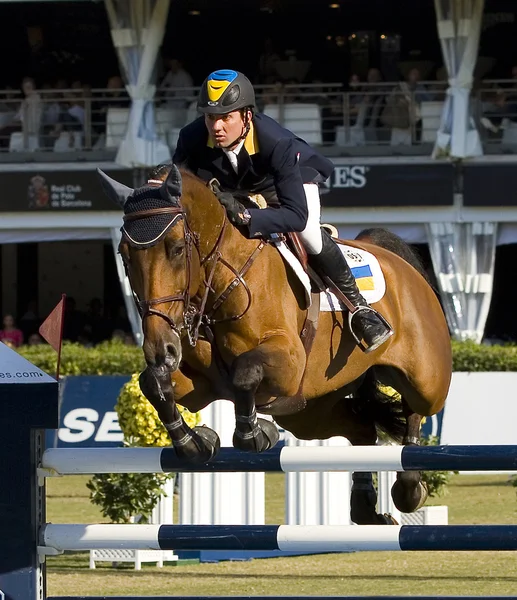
x: 249, y: 153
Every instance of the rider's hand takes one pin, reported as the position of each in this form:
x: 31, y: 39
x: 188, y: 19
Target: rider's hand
x: 234, y: 209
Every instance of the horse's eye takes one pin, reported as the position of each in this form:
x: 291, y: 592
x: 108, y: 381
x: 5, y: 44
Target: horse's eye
x: 176, y: 250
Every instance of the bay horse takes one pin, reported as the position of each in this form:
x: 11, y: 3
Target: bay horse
x: 222, y: 318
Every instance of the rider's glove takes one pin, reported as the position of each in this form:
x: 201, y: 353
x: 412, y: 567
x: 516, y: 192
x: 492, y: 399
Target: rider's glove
x: 237, y: 212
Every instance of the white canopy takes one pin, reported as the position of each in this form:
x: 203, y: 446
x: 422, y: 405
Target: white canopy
x: 459, y: 27
x: 137, y: 30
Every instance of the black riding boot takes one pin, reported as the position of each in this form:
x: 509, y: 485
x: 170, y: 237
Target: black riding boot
x: 366, y: 323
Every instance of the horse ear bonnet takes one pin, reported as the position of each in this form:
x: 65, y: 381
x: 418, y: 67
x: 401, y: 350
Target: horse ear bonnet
x: 148, y: 231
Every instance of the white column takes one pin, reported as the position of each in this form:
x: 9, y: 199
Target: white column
x: 163, y: 513
x: 317, y: 498
x: 385, y: 481
x: 222, y: 498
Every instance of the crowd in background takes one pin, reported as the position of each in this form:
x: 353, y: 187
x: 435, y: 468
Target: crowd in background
x: 87, y: 328
x: 367, y: 104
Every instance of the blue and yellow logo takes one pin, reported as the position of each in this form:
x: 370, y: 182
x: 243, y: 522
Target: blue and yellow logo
x: 364, y: 278
x: 218, y: 83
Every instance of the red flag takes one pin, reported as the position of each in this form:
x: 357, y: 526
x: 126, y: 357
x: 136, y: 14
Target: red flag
x: 51, y: 330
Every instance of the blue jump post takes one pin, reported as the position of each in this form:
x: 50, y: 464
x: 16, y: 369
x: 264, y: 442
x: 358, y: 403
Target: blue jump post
x: 28, y: 405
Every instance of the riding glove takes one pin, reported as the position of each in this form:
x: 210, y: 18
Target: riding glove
x: 234, y: 209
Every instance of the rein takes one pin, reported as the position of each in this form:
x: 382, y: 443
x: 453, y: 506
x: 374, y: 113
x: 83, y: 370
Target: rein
x: 194, y: 315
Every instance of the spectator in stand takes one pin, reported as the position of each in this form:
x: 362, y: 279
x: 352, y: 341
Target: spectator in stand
x: 419, y: 90
x: 31, y: 108
x: 331, y: 109
x: 35, y: 340
x: 30, y: 321
x: 73, y: 321
x: 50, y: 118
x: 176, y: 77
x: 272, y: 94
x: 8, y: 108
x: 374, y: 100
x: 10, y: 333
x: 355, y: 98
x: 267, y: 63
x: 27, y: 116
x: 115, y: 96
x: 96, y: 327
x: 175, y: 84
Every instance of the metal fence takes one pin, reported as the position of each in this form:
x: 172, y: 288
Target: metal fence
x: 385, y: 117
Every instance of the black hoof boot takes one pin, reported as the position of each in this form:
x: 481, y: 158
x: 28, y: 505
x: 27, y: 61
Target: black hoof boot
x: 263, y: 436
x: 201, y: 445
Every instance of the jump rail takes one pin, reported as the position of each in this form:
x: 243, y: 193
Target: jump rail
x: 33, y: 407
x: 89, y: 461
x: 287, y: 538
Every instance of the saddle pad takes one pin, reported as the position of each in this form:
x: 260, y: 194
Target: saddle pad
x: 365, y: 268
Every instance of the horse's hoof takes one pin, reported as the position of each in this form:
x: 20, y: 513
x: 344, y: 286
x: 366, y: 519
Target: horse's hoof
x: 264, y: 437
x: 212, y: 443
x: 408, y: 499
x: 203, y: 445
x: 270, y: 430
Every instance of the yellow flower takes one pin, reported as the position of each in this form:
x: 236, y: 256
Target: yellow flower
x: 138, y: 419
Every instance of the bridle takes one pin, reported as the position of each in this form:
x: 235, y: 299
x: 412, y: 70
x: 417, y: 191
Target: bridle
x: 194, y: 307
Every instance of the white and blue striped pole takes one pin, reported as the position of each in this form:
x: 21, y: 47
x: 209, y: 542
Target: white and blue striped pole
x: 65, y: 461
x: 288, y: 538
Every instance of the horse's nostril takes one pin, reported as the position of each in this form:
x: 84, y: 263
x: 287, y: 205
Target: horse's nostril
x: 170, y: 350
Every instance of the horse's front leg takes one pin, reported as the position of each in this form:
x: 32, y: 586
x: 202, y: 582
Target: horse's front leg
x: 278, y: 365
x: 199, y: 444
x: 409, y: 492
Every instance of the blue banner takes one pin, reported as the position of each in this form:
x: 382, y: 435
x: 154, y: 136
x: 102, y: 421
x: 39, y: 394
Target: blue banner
x: 87, y: 416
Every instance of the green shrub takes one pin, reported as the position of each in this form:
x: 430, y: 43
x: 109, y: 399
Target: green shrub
x: 108, y: 358
x: 469, y: 356
x: 122, y: 496
x: 126, y: 496
x: 115, y: 358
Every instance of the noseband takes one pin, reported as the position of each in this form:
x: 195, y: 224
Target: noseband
x: 194, y: 316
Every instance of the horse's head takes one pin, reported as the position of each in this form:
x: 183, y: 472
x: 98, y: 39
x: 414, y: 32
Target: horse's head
x: 161, y: 261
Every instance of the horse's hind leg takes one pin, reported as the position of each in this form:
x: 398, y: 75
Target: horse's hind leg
x: 372, y: 409
x: 363, y: 499
x: 409, y: 492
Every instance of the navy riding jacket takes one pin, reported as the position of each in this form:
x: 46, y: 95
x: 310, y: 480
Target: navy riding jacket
x: 273, y: 162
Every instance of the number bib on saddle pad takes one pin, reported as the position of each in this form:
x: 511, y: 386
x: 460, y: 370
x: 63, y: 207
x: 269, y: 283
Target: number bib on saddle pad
x: 365, y: 268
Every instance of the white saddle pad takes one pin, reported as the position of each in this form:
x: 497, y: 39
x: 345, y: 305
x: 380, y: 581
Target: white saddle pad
x: 365, y: 268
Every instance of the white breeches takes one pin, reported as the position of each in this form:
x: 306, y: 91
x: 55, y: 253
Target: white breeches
x: 311, y: 235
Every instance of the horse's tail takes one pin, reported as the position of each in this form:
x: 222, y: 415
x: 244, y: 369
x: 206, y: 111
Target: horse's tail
x: 391, y: 241
x: 381, y: 408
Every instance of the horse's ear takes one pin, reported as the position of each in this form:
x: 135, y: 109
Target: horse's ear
x: 118, y: 192
x: 171, y: 189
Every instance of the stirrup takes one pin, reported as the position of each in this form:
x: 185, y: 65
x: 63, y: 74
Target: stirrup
x: 351, y: 315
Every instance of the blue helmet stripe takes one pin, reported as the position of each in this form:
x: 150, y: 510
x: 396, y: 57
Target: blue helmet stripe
x: 223, y: 75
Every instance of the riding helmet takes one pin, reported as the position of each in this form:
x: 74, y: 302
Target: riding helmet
x: 224, y: 91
